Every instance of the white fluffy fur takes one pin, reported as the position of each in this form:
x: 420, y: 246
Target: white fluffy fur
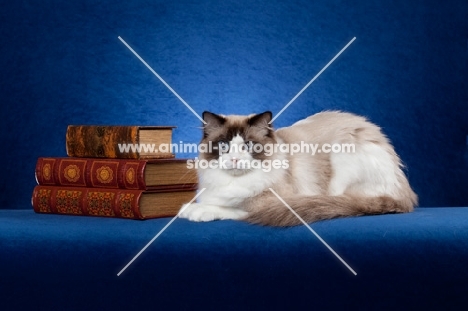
x: 373, y: 170
x: 225, y: 190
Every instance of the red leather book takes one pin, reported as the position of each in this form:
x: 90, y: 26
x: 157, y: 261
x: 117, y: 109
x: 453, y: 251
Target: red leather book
x: 121, y: 203
x: 114, y: 173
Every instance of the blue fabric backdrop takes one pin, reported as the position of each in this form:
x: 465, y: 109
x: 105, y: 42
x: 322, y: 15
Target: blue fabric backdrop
x: 61, y: 63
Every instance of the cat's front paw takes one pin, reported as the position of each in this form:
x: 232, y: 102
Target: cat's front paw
x: 196, y: 212
x: 203, y: 212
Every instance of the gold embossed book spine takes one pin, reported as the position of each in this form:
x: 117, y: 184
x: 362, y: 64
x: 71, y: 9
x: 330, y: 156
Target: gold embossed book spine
x: 114, y: 173
x: 104, y: 202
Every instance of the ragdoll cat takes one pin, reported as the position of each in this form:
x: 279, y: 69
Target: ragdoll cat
x: 364, y: 177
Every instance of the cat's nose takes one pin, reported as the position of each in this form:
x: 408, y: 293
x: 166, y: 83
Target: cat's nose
x: 234, y: 161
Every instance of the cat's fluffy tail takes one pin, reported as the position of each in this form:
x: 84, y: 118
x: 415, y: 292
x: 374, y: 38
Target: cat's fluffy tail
x: 315, y: 208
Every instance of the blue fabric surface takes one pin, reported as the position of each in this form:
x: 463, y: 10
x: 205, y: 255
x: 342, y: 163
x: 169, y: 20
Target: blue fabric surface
x: 61, y: 63
x: 408, y: 261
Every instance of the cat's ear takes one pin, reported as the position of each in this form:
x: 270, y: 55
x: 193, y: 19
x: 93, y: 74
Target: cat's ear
x: 213, y: 121
x: 261, y: 122
x: 261, y: 119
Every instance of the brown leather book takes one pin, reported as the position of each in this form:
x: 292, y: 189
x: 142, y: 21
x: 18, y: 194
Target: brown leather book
x: 120, y: 203
x: 122, y: 142
x: 115, y: 173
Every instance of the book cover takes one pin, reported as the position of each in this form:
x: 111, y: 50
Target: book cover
x: 115, y: 173
x: 122, y: 142
x: 120, y: 203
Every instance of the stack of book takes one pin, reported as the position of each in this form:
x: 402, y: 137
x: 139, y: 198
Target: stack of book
x: 114, y: 171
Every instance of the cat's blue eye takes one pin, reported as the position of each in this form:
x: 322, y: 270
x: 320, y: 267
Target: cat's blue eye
x: 223, y: 146
x: 249, y: 145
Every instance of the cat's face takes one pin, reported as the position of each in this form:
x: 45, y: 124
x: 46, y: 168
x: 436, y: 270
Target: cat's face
x: 236, y: 141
